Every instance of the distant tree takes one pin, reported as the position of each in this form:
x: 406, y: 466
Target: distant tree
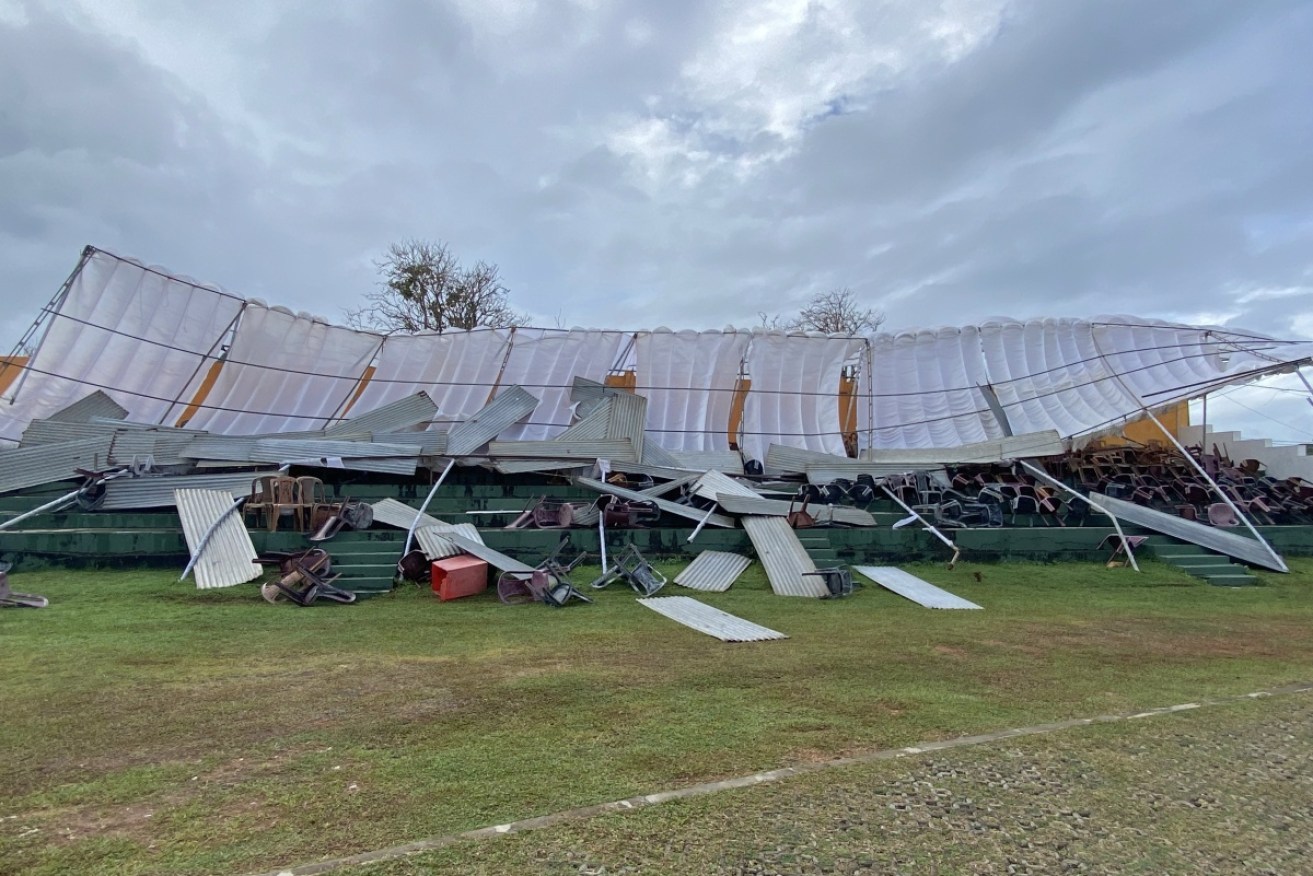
x: 423, y: 287
x: 835, y: 312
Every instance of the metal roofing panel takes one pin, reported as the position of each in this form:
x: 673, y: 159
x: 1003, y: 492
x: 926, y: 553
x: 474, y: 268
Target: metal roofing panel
x: 687, y: 511
x: 122, y: 494
x: 430, y: 443
x: 595, y: 426
x: 911, y: 587
x: 1232, y: 544
x: 529, y: 466
x: 824, y: 474
x: 713, y: 483
x: 97, y: 404
x: 394, y: 513
x: 409, y: 411
x: 583, y: 389
x: 763, y: 507
x: 728, y: 461
x: 627, y: 418
x: 32, y: 466
x: 712, y: 621
x: 275, y: 450
x: 656, y: 455
x: 432, y: 541
x: 783, y: 459
x: 713, y: 571
x: 1045, y: 443
x: 655, y: 471
x: 586, y: 450
x: 228, y: 557
x: 785, y: 559
x: 508, y: 408
x: 487, y: 554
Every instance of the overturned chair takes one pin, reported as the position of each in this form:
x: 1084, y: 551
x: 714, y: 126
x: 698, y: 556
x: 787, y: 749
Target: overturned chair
x: 10, y: 599
x: 548, y: 583
x: 305, y: 578
x: 636, y: 571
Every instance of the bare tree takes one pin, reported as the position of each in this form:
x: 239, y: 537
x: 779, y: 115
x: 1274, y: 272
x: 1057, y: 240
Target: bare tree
x: 835, y: 312
x: 423, y: 287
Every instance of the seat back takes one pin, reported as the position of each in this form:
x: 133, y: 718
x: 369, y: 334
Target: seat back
x: 1220, y: 514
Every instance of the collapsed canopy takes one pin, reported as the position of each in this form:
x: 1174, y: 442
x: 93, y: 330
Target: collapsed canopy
x: 170, y: 350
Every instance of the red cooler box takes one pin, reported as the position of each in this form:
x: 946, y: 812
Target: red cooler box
x: 459, y: 576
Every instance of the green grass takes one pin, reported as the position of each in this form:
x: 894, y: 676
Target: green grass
x: 151, y: 728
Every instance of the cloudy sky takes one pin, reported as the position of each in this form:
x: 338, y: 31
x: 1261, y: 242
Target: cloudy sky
x: 680, y: 163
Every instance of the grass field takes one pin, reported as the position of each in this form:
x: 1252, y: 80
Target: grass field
x: 151, y: 728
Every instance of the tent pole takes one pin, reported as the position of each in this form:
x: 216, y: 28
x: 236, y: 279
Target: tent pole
x: 1280, y: 563
x: 1054, y: 482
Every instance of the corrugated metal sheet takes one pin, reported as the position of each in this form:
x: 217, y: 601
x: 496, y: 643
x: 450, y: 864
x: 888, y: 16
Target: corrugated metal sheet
x: 228, y: 558
x: 845, y: 514
x: 1232, y: 544
x: 824, y: 474
x: 627, y: 418
x: 95, y: 405
x: 669, y: 486
x: 56, y: 431
x: 783, y: 557
x: 655, y: 471
x: 430, y: 443
x: 728, y: 461
x: 409, y: 411
x: 527, y: 466
x: 401, y: 459
x: 595, y: 426
x: 588, y: 450
x: 654, y: 454
x: 273, y: 450
x: 399, y: 514
x: 713, y: 571
x: 433, y: 542
x: 783, y: 459
x: 500, y: 414
x: 686, y: 511
x: 123, y: 494
x: 911, y: 587
x: 712, y: 621
x: 583, y: 389
x: 487, y: 554
x: 1046, y: 443
x: 32, y: 466
x: 713, y: 483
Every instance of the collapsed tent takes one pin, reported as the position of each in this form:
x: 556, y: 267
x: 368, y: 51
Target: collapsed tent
x: 173, y: 352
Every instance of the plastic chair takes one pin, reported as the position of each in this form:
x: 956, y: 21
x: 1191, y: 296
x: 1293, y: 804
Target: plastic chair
x: 636, y: 571
x: 1220, y: 514
x: 311, y: 497
x: 284, y: 498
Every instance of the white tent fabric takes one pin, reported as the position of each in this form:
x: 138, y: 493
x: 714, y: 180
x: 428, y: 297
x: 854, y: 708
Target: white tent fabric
x: 794, y: 398
x: 689, y: 379
x: 138, y: 333
x: 284, y: 372
x: 545, y: 361
x: 148, y: 339
x: 459, y: 370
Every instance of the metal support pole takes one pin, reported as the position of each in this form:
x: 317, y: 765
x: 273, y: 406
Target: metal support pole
x: 205, y: 539
x: 1054, y: 482
x: 601, y: 532
x: 929, y: 527
x: 1276, y: 557
x: 49, y: 506
x: 703, y: 521
x: 410, y: 534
